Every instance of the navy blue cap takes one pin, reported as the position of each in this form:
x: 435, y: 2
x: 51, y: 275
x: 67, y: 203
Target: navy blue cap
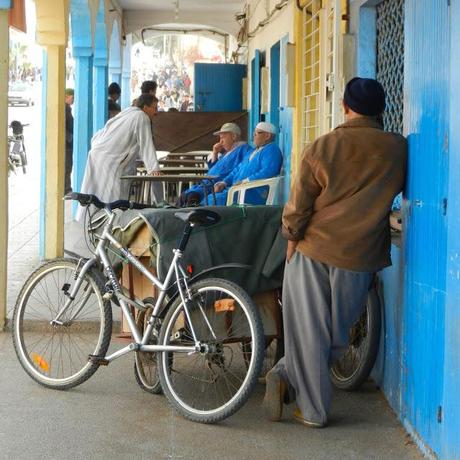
x: 365, y: 96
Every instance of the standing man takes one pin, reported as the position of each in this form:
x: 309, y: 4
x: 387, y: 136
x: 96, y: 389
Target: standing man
x: 69, y: 96
x: 337, y: 225
x: 117, y: 146
x: 114, y: 94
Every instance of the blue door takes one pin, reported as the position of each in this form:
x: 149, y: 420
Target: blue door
x: 219, y: 87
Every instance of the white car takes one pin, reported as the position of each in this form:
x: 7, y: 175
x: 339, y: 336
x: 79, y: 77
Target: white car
x: 20, y: 93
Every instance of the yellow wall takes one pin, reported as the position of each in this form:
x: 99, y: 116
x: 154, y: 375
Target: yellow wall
x: 4, y: 50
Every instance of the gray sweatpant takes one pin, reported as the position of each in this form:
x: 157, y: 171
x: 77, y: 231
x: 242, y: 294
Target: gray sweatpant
x: 320, y: 304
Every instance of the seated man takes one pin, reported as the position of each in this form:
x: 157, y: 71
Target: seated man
x: 262, y: 163
x: 226, y: 155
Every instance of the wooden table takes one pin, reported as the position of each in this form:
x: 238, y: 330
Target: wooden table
x: 190, y: 169
x: 144, y: 195
x: 183, y: 170
x: 195, y: 154
x: 183, y: 161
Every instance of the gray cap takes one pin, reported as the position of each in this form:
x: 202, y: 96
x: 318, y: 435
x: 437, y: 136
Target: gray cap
x: 229, y: 128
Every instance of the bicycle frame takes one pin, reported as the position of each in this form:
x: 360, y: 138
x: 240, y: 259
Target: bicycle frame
x: 140, y: 341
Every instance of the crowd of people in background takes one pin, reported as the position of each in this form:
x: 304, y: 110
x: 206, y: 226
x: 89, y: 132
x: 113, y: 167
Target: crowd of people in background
x: 174, y: 88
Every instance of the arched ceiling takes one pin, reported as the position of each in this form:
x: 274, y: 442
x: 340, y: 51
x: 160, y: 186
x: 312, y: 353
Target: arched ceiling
x: 218, y: 14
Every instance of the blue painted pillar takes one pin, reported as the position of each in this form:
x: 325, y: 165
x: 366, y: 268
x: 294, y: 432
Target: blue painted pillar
x: 286, y: 116
x: 100, y: 85
x: 114, y: 75
x: 83, y: 112
x: 126, y: 74
x: 451, y: 395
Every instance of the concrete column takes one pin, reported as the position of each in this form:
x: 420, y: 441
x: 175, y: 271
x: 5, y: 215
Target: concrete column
x: 52, y: 31
x: 4, y: 50
x: 83, y: 112
x: 55, y: 145
x: 100, y: 96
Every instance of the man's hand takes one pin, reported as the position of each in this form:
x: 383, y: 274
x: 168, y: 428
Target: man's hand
x: 292, y: 245
x: 219, y: 187
x: 216, y: 149
x: 156, y: 173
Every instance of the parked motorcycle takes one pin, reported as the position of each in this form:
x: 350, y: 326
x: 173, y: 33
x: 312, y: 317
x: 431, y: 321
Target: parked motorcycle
x: 17, y: 157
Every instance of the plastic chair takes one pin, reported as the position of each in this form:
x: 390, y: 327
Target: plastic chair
x: 274, y: 186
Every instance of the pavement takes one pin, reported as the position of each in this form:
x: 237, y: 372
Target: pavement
x: 110, y: 417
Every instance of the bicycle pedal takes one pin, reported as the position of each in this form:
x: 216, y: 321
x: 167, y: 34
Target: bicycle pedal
x: 95, y: 359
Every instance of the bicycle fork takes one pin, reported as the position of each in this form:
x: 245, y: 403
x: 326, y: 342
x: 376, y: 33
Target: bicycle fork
x: 79, y: 276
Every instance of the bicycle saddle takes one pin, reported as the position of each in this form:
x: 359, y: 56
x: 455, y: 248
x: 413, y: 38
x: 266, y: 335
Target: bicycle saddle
x: 199, y: 217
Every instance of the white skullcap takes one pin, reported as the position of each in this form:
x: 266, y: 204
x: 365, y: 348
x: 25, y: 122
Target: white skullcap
x: 266, y: 127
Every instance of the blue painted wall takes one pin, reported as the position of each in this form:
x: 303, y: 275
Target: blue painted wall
x: 427, y: 95
x: 451, y: 395
x: 219, y: 87
x: 286, y: 117
x: 274, y: 115
x: 419, y: 367
x: 388, y: 368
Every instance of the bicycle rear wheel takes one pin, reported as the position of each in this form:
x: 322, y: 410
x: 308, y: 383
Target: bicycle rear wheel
x: 353, y: 368
x: 210, y: 385
x: 56, y: 356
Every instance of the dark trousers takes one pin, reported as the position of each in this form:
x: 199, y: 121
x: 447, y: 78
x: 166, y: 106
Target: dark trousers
x: 68, y: 169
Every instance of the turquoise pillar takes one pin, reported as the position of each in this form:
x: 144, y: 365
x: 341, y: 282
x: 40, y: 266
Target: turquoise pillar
x: 83, y: 112
x: 100, y: 85
x: 115, y: 76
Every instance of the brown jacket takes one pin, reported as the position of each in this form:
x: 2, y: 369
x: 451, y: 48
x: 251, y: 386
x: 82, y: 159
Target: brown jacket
x: 341, y: 196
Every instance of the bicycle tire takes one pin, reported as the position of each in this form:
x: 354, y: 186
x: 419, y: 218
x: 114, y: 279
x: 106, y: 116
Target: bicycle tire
x: 56, y: 356
x: 349, y: 372
x: 223, y: 371
x: 145, y: 364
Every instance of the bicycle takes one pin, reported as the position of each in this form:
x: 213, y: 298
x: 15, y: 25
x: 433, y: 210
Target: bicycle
x: 207, y: 338
x: 16, y: 150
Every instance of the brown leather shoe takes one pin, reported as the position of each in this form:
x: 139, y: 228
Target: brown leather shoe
x: 299, y: 418
x: 274, y: 396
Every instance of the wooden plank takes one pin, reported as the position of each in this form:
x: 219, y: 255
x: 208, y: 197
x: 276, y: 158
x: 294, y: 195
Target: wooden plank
x: 186, y: 131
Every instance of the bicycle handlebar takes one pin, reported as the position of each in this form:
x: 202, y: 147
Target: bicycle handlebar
x: 86, y: 200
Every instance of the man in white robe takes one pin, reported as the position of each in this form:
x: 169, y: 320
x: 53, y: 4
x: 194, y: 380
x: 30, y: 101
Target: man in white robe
x: 115, y: 149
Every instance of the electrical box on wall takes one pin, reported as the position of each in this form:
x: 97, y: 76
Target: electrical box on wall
x: 290, y: 75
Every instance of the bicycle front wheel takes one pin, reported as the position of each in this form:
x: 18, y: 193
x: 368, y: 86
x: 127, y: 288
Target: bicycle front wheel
x: 212, y: 384
x: 56, y: 354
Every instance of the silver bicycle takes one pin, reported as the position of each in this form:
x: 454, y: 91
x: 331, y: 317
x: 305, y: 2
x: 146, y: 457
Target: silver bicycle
x: 205, y: 342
